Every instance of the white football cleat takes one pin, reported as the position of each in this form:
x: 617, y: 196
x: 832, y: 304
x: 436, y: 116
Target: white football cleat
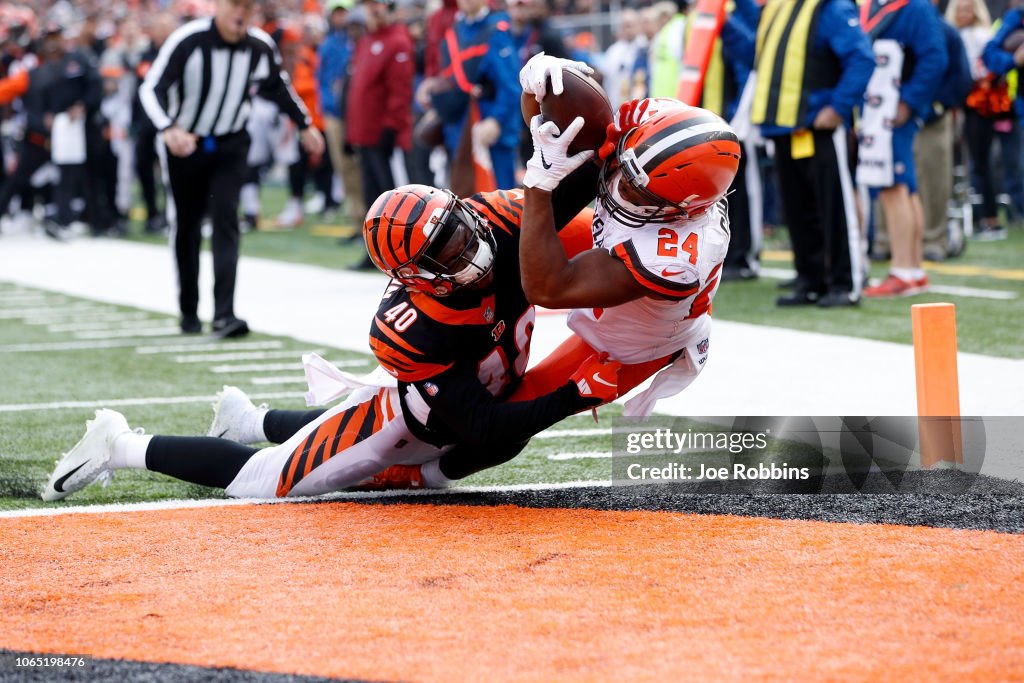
x: 236, y: 418
x: 87, y: 461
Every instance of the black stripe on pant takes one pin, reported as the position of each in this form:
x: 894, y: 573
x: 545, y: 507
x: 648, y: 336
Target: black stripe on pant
x: 815, y: 210
x: 208, y: 181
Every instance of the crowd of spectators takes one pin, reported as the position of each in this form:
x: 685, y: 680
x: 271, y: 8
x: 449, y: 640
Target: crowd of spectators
x: 427, y: 91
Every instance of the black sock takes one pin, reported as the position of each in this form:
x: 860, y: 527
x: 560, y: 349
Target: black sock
x: 201, y: 460
x: 281, y: 425
x: 462, y: 461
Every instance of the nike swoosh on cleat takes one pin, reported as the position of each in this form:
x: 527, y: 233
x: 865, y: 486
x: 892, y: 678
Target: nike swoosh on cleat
x: 58, y: 485
x: 597, y: 378
x: 543, y: 161
x: 221, y: 435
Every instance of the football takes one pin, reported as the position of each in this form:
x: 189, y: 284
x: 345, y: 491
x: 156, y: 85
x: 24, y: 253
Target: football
x: 581, y: 96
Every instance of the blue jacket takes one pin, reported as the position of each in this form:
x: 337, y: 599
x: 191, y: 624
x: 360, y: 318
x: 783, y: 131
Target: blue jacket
x: 957, y: 81
x: 498, y: 70
x: 999, y: 61
x: 839, y: 32
x: 739, y: 40
x: 335, y: 53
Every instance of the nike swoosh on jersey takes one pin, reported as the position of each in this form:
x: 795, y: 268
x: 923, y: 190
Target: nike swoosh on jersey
x: 665, y: 272
x: 58, y: 485
x: 597, y: 378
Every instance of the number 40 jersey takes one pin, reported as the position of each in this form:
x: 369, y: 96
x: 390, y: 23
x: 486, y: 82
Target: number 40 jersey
x: 680, y: 263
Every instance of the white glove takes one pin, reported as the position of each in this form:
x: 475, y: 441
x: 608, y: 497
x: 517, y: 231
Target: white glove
x: 533, y: 77
x: 551, y: 161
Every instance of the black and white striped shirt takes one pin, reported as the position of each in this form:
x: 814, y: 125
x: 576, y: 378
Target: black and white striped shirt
x: 203, y: 84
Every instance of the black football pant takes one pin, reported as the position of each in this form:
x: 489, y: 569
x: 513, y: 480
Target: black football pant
x: 818, y: 203
x: 209, y: 180
x: 31, y: 157
x: 145, y: 165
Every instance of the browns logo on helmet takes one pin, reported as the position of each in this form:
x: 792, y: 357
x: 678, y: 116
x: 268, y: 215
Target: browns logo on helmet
x: 428, y: 239
x: 674, y: 165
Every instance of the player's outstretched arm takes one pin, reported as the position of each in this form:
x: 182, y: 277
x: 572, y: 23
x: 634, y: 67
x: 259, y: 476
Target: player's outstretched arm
x: 550, y: 279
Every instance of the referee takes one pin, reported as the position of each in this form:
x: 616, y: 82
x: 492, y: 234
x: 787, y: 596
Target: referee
x: 197, y: 95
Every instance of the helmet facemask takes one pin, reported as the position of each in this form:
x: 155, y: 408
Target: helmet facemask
x: 459, y: 252
x: 626, y: 169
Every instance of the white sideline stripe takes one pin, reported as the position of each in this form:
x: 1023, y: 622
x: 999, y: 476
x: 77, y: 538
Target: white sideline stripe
x: 969, y: 292
x: 215, y: 346
x: 278, y: 367
x: 118, y: 402
x: 333, y: 497
x: 68, y: 346
x: 105, y: 325
x: 29, y: 311
x: 165, y: 331
x: 583, y: 455
x: 293, y: 379
x: 973, y: 292
x: 115, y: 317
x: 248, y: 355
x: 560, y: 433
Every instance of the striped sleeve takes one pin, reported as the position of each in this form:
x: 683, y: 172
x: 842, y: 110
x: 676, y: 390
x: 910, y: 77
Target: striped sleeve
x: 400, y: 358
x: 166, y: 72
x: 670, y: 282
x: 277, y: 87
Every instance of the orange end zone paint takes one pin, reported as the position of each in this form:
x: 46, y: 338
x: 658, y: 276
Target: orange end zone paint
x: 418, y: 592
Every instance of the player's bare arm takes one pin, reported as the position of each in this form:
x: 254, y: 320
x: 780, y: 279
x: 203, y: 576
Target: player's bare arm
x: 550, y: 278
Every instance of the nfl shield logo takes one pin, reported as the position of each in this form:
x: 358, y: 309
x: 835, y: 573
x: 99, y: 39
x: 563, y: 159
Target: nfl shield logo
x: 702, y: 347
x: 431, y: 388
x: 488, y: 314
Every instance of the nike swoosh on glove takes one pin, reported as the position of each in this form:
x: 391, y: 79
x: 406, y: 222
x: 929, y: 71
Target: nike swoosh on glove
x: 551, y: 161
x: 597, y: 379
x: 534, y: 75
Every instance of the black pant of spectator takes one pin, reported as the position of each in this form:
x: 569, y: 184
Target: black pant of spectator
x: 375, y: 163
x: 741, y: 260
x: 818, y: 204
x: 145, y: 165
x: 31, y: 157
x: 70, y: 186
x: 209, y: 180
x: 417, y: 164
x: 979, y: 134
x: 100, y: 196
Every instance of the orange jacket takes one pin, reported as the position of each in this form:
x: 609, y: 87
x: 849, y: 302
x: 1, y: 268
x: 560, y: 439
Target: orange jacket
x: 13, y: 87
x: 304, y: 82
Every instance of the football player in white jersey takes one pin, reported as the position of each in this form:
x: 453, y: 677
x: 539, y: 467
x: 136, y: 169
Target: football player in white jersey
x: 661, y: 230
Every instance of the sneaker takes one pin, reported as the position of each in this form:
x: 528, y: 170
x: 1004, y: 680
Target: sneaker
x: 291, y: 216
x: 394, y: 477
x: 837, y: 298
x: 890, y: 287
x: 315, y: 204
x: 191, y: 325
x: 236, y: 418
x: 921, y: 284
x: 736, y: 273
x: 800, y: 296
x: 989, y: 233
x: 230, y: 327
x: 87, y: 461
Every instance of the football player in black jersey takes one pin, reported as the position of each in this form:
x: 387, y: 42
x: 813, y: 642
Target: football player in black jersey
x: 453, y: 329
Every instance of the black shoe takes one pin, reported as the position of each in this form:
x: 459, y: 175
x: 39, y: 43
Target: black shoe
x: 787, y: 284
x: 156, y: 225
x: 837, y: 298
x: 800, y: 296
x: 190, y: 325
x: 230, y: 327
x: 57, y: 232
x: 734, y: 273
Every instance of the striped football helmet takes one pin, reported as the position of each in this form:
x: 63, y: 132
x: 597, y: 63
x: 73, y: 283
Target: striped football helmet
x: 676, y: 163
x: 428, y: 239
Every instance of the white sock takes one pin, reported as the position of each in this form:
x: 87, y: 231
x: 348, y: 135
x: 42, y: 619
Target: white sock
x: 905, y: 274
x: 918, y: 273
x: 432, y: 477
x: 251, y: 429
x: 130, y: 451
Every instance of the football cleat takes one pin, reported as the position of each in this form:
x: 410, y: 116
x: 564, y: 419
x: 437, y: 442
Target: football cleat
x: 87, y: 461
x: 236, y: 418
x: 394, y: 477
